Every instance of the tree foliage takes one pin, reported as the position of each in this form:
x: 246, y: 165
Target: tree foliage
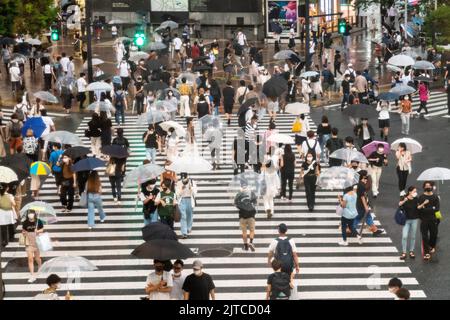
x: 439, y: 21
x: 26, y: 16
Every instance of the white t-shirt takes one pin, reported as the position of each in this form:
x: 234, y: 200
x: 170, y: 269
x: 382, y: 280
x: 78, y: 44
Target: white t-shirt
x: 177, y: 43
x: 48, y: 69
x: 177, y: 289
x: 48, y: 124
x: 123, y: 69
x: 15, y: 74
x: 114, y: 30
x: 154, y: 279
x: 81, y: 85
x: 65, y: 63
x: 274, y: 243
x: 241, y: 38
x: 311, y: 142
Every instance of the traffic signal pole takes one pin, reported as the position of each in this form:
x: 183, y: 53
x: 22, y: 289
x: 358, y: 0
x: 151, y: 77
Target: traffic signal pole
x: 308, y: 36
x: 89, y: 45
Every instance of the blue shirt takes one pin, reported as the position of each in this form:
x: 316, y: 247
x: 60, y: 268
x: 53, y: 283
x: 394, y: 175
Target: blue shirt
x: 350, y: 211
x: 54, y: 156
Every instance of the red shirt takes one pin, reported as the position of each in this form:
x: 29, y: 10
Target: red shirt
x: 195, y: 52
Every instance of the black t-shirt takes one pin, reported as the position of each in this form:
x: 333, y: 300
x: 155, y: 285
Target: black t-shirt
x: 228, y: 95
x: 29, y: 226
x: 311, y: 172
x: 284, y: 277
x: 346, y: 86
x: 379, y: 159
x: 321, y: 129
x: 429, y: 211
x: 150, y: 206
x: 151, y: 141
x: 198, y: 287
x: 360, y: 192
x: 289, y: 163
x: 410, y: 208
x: 202, y: 109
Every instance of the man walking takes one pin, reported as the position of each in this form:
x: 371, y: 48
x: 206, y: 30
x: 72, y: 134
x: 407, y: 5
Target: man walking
x: 199, y: 285
x: 81, y: 86
x: 246, y: 201
x: 283, y: 249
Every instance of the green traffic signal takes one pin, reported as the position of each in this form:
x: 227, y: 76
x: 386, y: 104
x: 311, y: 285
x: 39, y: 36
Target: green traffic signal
x: 55, y: 35
x: 139, y: 39
x: 341, y: 26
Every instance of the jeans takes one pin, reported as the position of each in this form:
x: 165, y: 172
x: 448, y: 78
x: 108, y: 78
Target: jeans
x: 410, y: 227
x: 357, y: 220
x: 152, y: 218
x: 402, y: 178
x: 125, y: 83
x: 94, y: 200
x: 323, y: 141
x: 151, y: 154
x: 287, y: 179
x: 375, y: 173
x: 344, y: 100
x: 310, y: 190
x: 405, y: 117
x: 116, y: 186
x: 429, y: 230
x: 120, y: 113
x: 347, y: 223
x: 67, y: 193
x: 187, y: 217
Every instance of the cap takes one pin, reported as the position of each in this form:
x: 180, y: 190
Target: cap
x: 282, y: 228
x: 197, y: 264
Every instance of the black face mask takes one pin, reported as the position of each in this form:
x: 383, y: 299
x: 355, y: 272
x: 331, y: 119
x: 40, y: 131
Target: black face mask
x: 428, y: 189
x: 185, y: 181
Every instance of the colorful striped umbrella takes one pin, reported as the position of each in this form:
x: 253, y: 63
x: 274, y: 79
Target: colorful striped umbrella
x: 40, y: 168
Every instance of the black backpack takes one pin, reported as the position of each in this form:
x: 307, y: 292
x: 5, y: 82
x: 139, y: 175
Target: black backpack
x: 118, y: 96
x: 312, y: 149
x: 284, y: 254
x: 280, y: 289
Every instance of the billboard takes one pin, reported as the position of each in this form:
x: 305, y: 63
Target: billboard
x: 281, y: 14
x: 170, y: 5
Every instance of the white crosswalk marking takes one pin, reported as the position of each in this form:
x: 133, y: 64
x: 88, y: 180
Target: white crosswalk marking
x: 327, y: 271
x: 8, y: 112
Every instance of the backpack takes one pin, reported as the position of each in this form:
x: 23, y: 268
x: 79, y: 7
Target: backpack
x: 121, y: 141
x: 118, y: 96
x: 283, y: 253
x: 15, y: 129
x: 335, y: 144
x: 312, y: 149
x: 280, y: 289
x: 297, y: 126
x: 20, y: 113
x: 329, y: 78
x: 400, y: 217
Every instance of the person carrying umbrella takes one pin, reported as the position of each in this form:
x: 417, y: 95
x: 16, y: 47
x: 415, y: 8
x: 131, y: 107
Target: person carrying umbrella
x: 423, y: 97
x: 31, y: 228
x: 405, y: 110
x: 404, y: 160
x: 54, y: 283
x: 166, y: 203
x: 94, y: 198
x: 186, y: 190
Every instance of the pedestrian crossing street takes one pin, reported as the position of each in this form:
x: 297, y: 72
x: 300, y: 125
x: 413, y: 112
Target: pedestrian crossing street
x: 327, y: 271
x: 437, y: 105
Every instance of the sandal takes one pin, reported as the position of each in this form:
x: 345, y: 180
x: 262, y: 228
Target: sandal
x: 427, y: 257
x: 411, y: 255
x: 403, y: 256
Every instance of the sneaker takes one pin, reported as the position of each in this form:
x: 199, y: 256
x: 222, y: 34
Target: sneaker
x: 245, y: 247
x: 68, y: 210
x: 115, y: 200
x: 119, y: 203
x: 378, y: 232
x: 360, y: 241
x: 252, y: 247
x: 103, y: 220
x: 90, y: 228
x: 32, y: 279
x: 343, y: 243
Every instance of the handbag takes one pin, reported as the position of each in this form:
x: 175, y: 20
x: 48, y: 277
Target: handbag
x: 339, y: 210
x: 294, y: 292
x: 83, y: 199
x: 110, y: 169
x: 44, y: 242
x: 177, y: 214
x: 400, y: 217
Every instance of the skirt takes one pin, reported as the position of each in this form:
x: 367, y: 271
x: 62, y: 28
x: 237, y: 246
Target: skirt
x: 7, y: 217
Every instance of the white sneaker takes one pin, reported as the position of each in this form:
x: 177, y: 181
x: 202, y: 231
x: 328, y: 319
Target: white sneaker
x: 360, y: 241
x: 32, y: 279
x: 90, y: 228
x: 343, y: 243
x: 103, y: 220
x: 115, y: 200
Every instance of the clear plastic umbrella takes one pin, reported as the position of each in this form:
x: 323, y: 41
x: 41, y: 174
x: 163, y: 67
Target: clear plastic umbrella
x: 156, y: 46
x: 135, y: 57
x: 249, y: 181
x: 297, y: 108
x: 101, y: 106
x: 190, y: 77
x: 34, y: 42
x: 7, y: 175
x: 95, y: 62
x: 169, y: 23
x: 210, y: 121
x: 179, y: 130
x: 65, y: 81
x: 63, y: 137
x: 435, y: 174
x: 393, y: 68
x: 46, y: 96
x: 412, y: 145
x: 309, y: 74
x: 190, y: 163
x: 166, y: 106
x: 116, y: 21
x: 152, y: 116
x: 281, y: 138
x: 17, y: 57
x: 349, y: 155
x: 283, y: 54
x: 403, y: 90
x: 44, y: 211
x: 401, y: 60
x: 423, y: 65
x: 175, y: 92
x: 337, y: 178
x: 99, y: 86
x: 142, y: 174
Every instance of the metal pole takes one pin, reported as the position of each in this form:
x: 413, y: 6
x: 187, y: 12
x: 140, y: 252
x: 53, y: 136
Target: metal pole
x: 89, y: 45
x: 307, y: 30
x: 406, y: 19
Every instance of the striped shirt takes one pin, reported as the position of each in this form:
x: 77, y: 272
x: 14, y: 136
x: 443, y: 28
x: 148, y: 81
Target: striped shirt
x: 250, y: 131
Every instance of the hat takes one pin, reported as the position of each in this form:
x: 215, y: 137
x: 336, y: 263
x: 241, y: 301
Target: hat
x: 197, y: 264
x: 282, y: 228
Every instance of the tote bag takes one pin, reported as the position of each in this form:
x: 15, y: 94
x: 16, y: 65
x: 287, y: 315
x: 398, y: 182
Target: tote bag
x: 43, y: 242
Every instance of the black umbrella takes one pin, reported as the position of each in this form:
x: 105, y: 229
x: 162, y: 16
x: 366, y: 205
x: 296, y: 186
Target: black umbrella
x: 19, y: 163
x: 423, y: 79
x: 154, y: 65
x: 158, y: 230
x: 7, y: 41
x: 103, y: 77
x: 155, y: 86
x: 248, y: 103
x: 202, y: 58
x: 360, y: 111
x: 163, y: 250
x: 275, y: 86
x: 77, y: 152
x: 201, y: 68
x: 88, y: 164
x: 115, y: 151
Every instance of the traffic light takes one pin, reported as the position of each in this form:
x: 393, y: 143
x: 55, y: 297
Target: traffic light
x: 139, y: 38
x: 55, y: 35
x: 341, y: 26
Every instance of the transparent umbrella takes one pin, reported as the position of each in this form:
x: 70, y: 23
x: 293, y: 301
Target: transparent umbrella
x: 65, y: 81
x: 297, y: 108
x: 167, y: 106
x: 349, y: 155
x: 249, y: 181
x: 45, y: 211
x: 190, y: 163
x: 423, y: 65
x: 152, y: 116
x: 179, y: 130
x: 101, y: 106
x: 63, y: 137
x: 338, y: 178
x: 283, y: 54
x: 135, y: 57
x: 435, y: 174
x: 190, y: 77
x: 169, y: 23
x: 95, y: 62
x: 46, y: 96
x: 210, y: 121
x: 142, y: 174
x: 412, y: 145
x: 401, y: 60
x: 34, y: 42
x: 403, y: 90
x: 156, y: 46
x: 99, y: 86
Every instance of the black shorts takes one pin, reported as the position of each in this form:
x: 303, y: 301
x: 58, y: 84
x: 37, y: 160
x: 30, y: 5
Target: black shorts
x: 228, y: 108
x: 299, y: 139
x: 383, y: 123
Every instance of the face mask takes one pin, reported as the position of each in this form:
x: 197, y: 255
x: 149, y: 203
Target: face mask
x: 185, y: 181
x: 392, y: 290
x: 177, y: 274
x: 380, y: 150
x: 414, y: 194
x: 159, y: 269
x: 309, y: 158
x: 355, y: 166
x: 65, y: 160
x: 150, y: 187
x: 58, y: 286
x: 428, y: 189
x: 31, y: 216
x: 197, y: 272
x: 170, y: 94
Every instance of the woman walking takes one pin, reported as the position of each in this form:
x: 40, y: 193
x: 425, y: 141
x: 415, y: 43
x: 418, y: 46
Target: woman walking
x: 7, y: 215
x: 185, y: 191
x: 95, y: 133
x: 423, y: 97
x: 68, y: 184
x: 428, y: 205
x: 383, y: 119
x: 405, y: 111
x: 310, y: 170
x: 404, y: 160
x: 410, y: 205
x: 172, y: 145
x: 269, y: 170
x: 94, y: 199
x: 115, y: 171
x: 287, y: 171
x: 106, y: 129
x: 349, y: 213
x: 31, y: 228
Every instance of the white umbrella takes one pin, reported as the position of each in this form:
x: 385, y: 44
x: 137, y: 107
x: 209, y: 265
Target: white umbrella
x: 95, y: 62
x: 179, y: 130
x: 401, y: 60
x: 101, y: 106
x: 7, y: 175
x: 423, y: 65
x: 349, y: 155
x: 156, y: 46
x: 393, y: 68
x: 135, y: 57
x: 435, y: 174
x: 309, y: 74
x: 46, y: 96
x: 297, y: 108
x: 99, y: 86
x: 190, y: 163
x: 338, y: 178
x: 34, y: 42
x: 412, y: 145
x: 281, y: 138
x: 116, y: 21
x: 169, y: 23
x: 142, y: 174
x: 63, y: 137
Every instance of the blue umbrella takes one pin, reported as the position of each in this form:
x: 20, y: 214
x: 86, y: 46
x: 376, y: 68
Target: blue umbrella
x: 88, y: 164
x: 388, y: 96
x: 36, y: 124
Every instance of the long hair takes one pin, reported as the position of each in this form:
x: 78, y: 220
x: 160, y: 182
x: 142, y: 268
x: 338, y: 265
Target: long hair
x: 93, y: 182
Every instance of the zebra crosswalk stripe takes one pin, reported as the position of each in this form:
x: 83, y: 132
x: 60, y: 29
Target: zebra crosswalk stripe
x: 327, y: 271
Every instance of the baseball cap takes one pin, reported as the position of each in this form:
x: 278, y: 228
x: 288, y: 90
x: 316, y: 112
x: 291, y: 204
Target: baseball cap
x: 282, y: 228
x: 197, y: 264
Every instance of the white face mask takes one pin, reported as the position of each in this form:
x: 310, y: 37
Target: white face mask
x: 177, y: 274
x: 31, y: 216
x: 197, y: 272
x: 414, y: 194
x: 309, y: 158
